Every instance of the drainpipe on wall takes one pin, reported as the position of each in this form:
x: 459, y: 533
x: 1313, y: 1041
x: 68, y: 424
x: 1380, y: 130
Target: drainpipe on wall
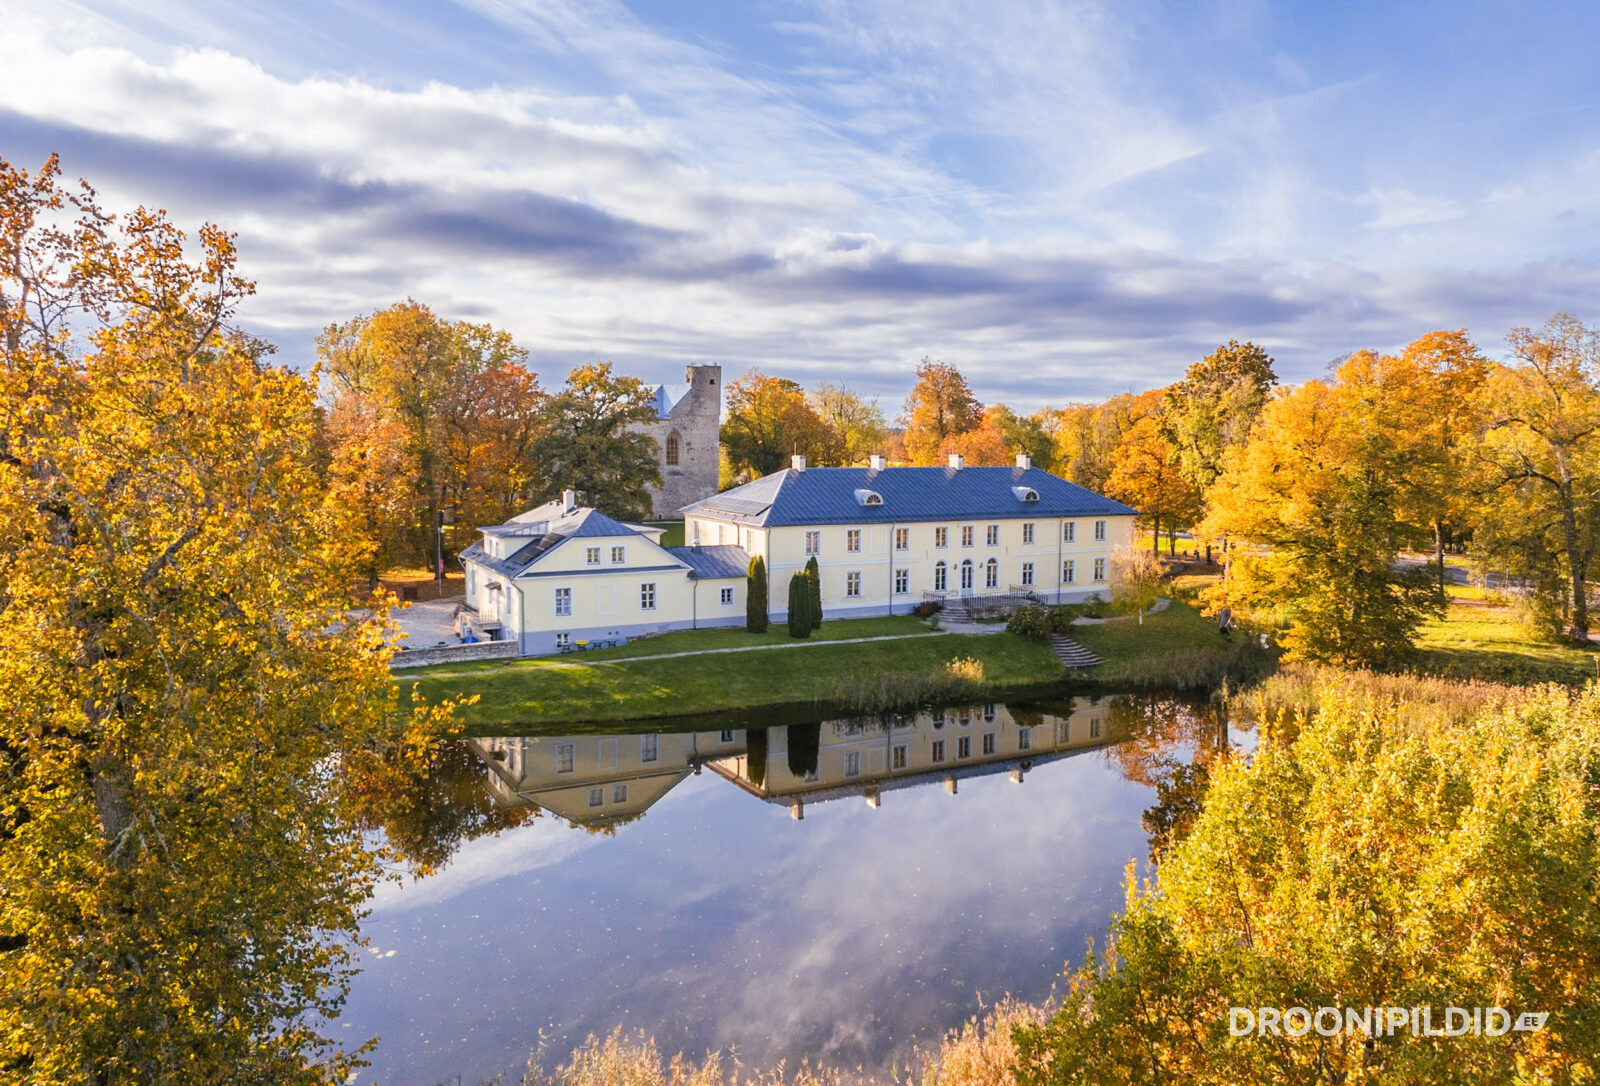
x: 1061, y: 566
x: 522, y: 614
x: 893, y: 528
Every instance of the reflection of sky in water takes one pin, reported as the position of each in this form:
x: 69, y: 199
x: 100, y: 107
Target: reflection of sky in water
x: 717, y: 920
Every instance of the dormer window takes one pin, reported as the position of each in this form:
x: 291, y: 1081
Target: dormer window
x: 1025, y: 493
x: 868, y: 497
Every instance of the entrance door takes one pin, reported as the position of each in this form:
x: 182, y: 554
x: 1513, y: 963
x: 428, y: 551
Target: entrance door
x: 966, y: 577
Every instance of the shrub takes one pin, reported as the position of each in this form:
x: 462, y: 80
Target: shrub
x: 927, y: 608
x: 800, y: 605
x: 755, y: 596
x: 1061, y: 618
x: 1030, y: 622
x: 966, y: 669
x: 814, y: 575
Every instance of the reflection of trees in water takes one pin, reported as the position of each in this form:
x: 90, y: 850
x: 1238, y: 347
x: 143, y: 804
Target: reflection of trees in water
x: 1171, y: 746
x: 427, y: 807
x: 805, y: 748
x: 756, y: 756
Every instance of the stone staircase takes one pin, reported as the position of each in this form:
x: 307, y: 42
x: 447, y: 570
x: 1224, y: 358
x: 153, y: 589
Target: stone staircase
x: 955, y: 610
x: 1071, y: 653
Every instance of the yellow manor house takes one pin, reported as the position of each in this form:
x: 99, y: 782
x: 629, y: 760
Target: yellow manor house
x: 885, y: 539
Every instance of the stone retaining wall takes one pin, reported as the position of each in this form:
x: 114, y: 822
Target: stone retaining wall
x: 454, y: 654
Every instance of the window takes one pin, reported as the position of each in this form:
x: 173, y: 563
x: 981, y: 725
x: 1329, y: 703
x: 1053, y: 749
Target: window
x: 902, y: 539
x: 1027, y: 533
x: 727, y: 597
x: 619, y: 555
x: 938, y: 750
x: 941, y: 577
x: 988, y: 742
x: 563, y: 640
x: 647, y: 596
x: 1069, y: 531
x: 897, y: 757
x: 852, y: 763
x: 1069, y: 571
x: 619, y: 793
x: 1064, y: 732
x: 722, y: 533
x: 1024, y: 738
x: 941, y: 537
x: 1094, y: 727
x: 964, y: 747
x: 938, y: 719
x: 991, y: 535
x: 852, y: 540
x: 902, y: 581
x: 852, y: 583
x: 1027, y: 574
x: 1099, y: 531
x: 591, y: 556
x: 674, y: 449
x: 991, y: 574
x: 966, y: 576
x: 966, y: 535
x: 649, y: 748
x: 725, y: 737
x: 597, y: 796
x: 988, y: 713
x: 813, y: 542
x: 1099, y: 569
x: 964, y: 717
x: 565, y: 753
x: 563, y: 602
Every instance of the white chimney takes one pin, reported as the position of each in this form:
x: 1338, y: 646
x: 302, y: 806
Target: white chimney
x: 569, y: 500
x: 797, y: 462
x: 877, y: 461
x: 955, y: 460
x: 1024, y: 460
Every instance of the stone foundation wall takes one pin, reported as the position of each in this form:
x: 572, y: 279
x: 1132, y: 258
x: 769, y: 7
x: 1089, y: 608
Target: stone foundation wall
x: 454, y: 654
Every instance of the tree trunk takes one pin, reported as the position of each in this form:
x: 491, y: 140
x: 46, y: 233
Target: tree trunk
x: 1438, y: 551
x: 1155, y: 536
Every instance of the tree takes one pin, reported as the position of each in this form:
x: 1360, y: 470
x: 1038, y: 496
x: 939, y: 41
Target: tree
x: 1542, y: 453
x: 800, y: 605
x: 1023, y: 434
x: 755, y: 596
x: 855, y: 426
x: 814, y: 578
x: 586, y: 443
x: 1136, y: 577
x: 181, y: 663
x: 1146, y: 475
x: 985, y: 445
x: 1215, y: 406
x: 768, y: 421
x: 940, y: 405
x: 1085, y: 436
x: 1315, y: 495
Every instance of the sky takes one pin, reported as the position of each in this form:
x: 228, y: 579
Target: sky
x: 1065, y: 200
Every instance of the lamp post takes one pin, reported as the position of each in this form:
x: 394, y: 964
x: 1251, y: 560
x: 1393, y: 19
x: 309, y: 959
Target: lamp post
x: 446, y: 515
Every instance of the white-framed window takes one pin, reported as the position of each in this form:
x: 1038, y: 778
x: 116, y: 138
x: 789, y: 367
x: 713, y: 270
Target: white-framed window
x: 941, y: 577
x: 852, y: 763
x: 727, y: 597
x: 722, y: 533
x: 852, y: 583
x: 852, y: 541
x: 1094, y: 727
x: 964, y: 717
x: 966, y: 535
x: 1064, y: 732
x: 472, y: 583
x: 1099, y: 531
x: 813, y: 542
x: 988, y: 713
x: 902, y: 539
x: 897, y: 756
x: 991, y: 574
x: 591, y: 556
x: 938, y: 750
x: 726, y: 736
x: 988, y: 742
x: 647, y: 596
x: 991, y: 536
x: 941, y: 538
x: 1027, y: 574
x: 619, y: 793
x: 649, y: 748
x: 1069, y: 571
x: 597, y: 796
x: 1099, y: 569
x: 1069, y: 531
x: 566, y: 754
x: 1027, y: 533
x: 563, y: 602
x: 619, y: 555
x: 964, y: 747
x: 563, y: 640
x: 1024, y: 738
x: 938, y: 719
x: 902, y: 581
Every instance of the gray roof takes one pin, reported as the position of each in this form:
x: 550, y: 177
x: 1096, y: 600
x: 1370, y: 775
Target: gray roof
x: 829, y: 496
x: 545, y: 527
x: 712, y: 563
x: 668, y: 397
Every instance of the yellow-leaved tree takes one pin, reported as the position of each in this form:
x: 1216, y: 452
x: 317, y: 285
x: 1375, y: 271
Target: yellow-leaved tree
x: 181, y: 671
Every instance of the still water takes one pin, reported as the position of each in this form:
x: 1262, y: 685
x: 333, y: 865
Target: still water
x: 843, y: 889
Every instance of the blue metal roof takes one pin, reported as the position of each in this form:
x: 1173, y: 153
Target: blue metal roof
x: 668, y: 397
x: 713, y: 563
x: 546, y: 527
x: 828, y: 496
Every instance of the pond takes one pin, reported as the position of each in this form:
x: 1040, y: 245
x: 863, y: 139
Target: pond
x: 838, y: 889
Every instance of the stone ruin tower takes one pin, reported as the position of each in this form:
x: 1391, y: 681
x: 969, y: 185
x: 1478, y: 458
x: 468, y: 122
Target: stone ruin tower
x: 688, y: 443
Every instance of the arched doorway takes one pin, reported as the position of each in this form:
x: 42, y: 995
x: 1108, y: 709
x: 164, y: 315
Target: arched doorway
x: 966, y: 577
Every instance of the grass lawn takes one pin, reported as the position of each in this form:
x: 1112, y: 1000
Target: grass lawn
x: 1481, y: 638
x: 673, y: 536
x: 735, y: 637
x: 1176, y: 648
x: 518, y: 694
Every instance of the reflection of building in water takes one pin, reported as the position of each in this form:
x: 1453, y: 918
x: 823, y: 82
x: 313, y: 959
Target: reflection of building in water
x: 854, y: 758
x: 601, y: 781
